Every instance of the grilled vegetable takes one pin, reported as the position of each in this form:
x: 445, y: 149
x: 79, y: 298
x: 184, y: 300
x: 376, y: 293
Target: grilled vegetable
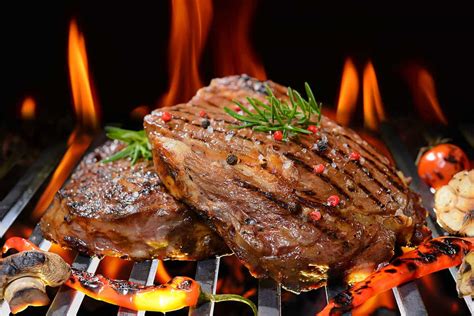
x: 465, y: 279
x: 431, y: 256
x: 440, y: 163
x: 454, y: 204
x: 178, y: 293
x: 24, y: 276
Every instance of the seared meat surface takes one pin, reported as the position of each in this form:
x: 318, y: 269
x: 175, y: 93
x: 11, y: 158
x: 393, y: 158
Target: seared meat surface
x: 117, y: 209
x: 264, y: 199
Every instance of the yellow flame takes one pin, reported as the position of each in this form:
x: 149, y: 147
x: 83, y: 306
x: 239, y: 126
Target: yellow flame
x: 190, y: 21
x: 373, y: 107
x: 348, y: 93
x: 87, y: 115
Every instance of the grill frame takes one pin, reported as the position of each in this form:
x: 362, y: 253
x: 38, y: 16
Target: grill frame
x: 68, y: 301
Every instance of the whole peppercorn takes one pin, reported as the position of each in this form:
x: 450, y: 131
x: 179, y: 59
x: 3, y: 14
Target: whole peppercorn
x: 232, y: 159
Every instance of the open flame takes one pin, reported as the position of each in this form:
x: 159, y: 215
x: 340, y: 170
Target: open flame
x: 190, y: 21
x: 348, y: 94
x: 87, y: 117
x: 28, y: 109
x: 233, y: 49
x: 425, y: 98
x: 374, y: 112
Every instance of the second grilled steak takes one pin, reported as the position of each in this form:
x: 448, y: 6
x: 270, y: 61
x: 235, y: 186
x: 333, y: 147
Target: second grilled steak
x: 117, y: 209
x: 264, y: 198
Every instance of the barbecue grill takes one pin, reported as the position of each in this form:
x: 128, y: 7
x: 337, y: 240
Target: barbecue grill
x: 68, y: 302
x: 16, y: 206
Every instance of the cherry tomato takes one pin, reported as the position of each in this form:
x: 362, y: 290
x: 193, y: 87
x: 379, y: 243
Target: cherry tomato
x: 439, y: 164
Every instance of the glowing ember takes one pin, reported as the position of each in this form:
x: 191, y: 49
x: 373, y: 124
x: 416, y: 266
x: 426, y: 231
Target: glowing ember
x: 233, y: 49
x: 87, y: 115
x: 28, y: 109
x: 348, y: 93
x: 190, y: 21
x: 373, y: 108
x: 425, y: 98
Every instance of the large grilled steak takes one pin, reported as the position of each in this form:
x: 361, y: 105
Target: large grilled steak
x: 264, y: 199
x: 116, y: 209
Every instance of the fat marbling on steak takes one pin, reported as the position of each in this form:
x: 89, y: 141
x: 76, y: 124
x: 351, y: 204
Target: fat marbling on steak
x: 117, y: 209
x: 259, y: 194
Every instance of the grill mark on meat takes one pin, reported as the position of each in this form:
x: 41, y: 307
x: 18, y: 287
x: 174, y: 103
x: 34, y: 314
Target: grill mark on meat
x: 323, y: 177
x: 369, y: 175
x: 338, y: 188
x: 342, y: 170
x: 268, y: 195
x: 331, y: 232
x: 392, y: 178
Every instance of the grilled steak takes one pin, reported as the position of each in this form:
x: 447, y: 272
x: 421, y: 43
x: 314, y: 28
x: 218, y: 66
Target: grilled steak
x: 116, y: 209
x: 264, y: 199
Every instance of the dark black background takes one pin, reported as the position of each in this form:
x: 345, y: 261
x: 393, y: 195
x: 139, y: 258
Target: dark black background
x: 297, y: 41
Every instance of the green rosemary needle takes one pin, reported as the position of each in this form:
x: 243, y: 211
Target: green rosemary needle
x: 291, y: 117
x: 138, y: 146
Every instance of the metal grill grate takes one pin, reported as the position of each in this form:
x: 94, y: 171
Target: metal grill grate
x: 68, y: 301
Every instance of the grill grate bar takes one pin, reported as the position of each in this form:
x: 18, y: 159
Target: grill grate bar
x: 269, y: 297
x: 407, y: 166
x: 24, y: 190
x: 408, y: 300
x: 68, y: 301
x: 142, y: 273
x: 207, y: 273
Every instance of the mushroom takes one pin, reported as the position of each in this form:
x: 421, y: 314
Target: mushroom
x: 24, y: 276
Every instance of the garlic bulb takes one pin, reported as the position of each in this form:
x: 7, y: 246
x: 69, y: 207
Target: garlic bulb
x: 465, y: 277
x: 454, y: 204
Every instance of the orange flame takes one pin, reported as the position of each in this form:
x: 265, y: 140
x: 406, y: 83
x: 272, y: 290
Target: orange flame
x: 87, y: 114
x: 161, y: 275
x: 348, y: 93
x: 425, y: 98
x: 115, y: 268
x: 373, y: 108
x: 28, y: 109
x: 190, y: 21
x: 234, y: 53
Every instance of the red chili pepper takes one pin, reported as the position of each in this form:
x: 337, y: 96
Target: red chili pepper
x: 313, y: 129
x: 178, y: 293
x: 333, y: 200
x: 318, y: 169
x: 431, y: 256
x: 354, y: 156
x: 278, y: 135
x: 166, y: 116
x: 202, y: 113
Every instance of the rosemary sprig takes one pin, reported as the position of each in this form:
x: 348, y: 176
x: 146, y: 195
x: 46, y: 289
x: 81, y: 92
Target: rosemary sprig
x: 279, y: 115
x: 137, y: 144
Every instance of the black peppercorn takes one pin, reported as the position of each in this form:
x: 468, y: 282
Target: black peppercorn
x: 205, y: 123
x: 232, y: 159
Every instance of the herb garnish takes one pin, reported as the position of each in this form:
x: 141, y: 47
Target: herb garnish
x: 137, y: 147
x: 279, y: 115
